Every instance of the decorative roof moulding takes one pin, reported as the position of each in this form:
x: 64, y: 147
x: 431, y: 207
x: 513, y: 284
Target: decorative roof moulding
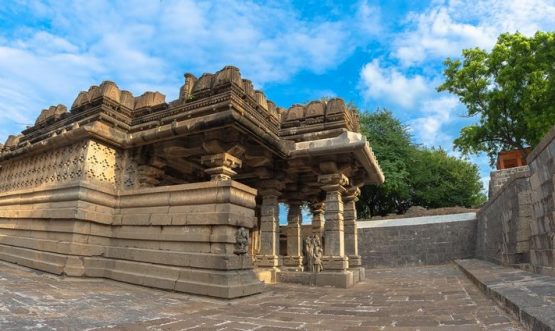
x: 149, y: 99
x: 129, y: 112
x: 53, y: 112
x: 314, y: 109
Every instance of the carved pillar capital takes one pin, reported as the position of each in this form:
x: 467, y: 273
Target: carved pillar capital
x: 333, y: 182
x: 351, y: 194
x: 318, y: 221
x: 220, y: 166
x: 271, y: 187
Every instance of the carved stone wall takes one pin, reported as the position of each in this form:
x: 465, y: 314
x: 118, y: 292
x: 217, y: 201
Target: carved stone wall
x: 88, y: 160
x: 103, y: 164
x: 58, y: 166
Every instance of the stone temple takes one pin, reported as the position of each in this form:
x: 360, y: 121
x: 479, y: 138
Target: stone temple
x: 183, y: 195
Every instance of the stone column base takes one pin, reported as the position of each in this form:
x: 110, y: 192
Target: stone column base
x: 267, y: 261
x: 267, y: 275
x: 335, y: 263
x: 293, y: 263
x: 355, y: 261
x: 359, y: 274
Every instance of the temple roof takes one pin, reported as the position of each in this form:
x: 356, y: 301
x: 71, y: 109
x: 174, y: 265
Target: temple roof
x: 213, y: 102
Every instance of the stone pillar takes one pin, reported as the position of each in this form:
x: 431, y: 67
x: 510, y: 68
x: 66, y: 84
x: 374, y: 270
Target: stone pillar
x: 269, y: 229
x: 334, y: 248
x: 351, y: 235
x: 294, y: 259
x: 317, y: 209
x: 220, y: 166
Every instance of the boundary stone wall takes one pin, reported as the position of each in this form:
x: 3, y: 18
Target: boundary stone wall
x: 517, y: 224
x: 504, y: 223
x: 498, y: 178
x: 542, y: 226
x: 417, y: 241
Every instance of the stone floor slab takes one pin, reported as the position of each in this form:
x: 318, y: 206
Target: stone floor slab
x: 418, y: 298
x: 530, y: 297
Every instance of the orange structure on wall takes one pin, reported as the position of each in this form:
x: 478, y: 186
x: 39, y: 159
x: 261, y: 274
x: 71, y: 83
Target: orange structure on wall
x: 512, y: 159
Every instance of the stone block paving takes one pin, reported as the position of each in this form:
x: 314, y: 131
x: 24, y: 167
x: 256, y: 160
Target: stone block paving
x: 418, y: 298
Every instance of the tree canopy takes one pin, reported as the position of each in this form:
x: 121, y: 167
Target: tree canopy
x: 510, y: 88
x: 413, y: 175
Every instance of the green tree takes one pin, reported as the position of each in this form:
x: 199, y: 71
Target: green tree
x: 439, y: 180
x: 511, y: 89
x: 413, y: 175
x: 391, y: 143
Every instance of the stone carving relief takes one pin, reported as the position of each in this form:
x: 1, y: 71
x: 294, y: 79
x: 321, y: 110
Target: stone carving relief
x: 58, y: 166
x: 104, y: 164
x: 313, y: 252
x: 241, y: 241
x: 86, y: 160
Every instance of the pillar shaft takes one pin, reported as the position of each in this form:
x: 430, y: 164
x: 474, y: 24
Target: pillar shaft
x: 318, y: 220
x: 294, y: 257
x: 334, y: 236
x: 351, y: 232
x: 269, y: 230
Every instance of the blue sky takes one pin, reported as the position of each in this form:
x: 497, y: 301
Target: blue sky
x: 375, y: 54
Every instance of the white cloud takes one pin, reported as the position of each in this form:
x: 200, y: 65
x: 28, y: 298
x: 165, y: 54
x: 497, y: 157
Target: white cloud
x: 369, y: 19
x: 429, y: 129
x: 446, y: 28
x: 149, y: 45
x: 387, y: 82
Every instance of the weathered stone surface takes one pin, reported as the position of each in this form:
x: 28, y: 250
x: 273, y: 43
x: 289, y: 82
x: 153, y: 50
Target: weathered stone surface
x: 498, y: 178
x: 429, y: 298
x: 504, y: 223
x: 517, y: 225
x: 542, y: 226
x: 528, y: 296
x: 417, y: 241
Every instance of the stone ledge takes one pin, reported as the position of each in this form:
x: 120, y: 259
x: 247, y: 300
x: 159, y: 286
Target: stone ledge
x: 215, y: 283
x: 529, y: 297
x: 339, y: 279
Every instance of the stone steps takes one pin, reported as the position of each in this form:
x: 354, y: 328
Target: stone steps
x: 529, y: 297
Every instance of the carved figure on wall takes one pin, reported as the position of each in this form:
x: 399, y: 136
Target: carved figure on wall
x: 313, y: 252
x: 241, y: 241
x: 318, y: 252
x: 309, y: 253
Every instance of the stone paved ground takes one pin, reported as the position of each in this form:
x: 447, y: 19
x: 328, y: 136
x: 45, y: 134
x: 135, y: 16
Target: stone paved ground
x: 425, y: 298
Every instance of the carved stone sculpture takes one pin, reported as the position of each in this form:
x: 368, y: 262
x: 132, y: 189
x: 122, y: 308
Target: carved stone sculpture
x: 242, y: 241
x: 318, y: 252
x: 313, y: 252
